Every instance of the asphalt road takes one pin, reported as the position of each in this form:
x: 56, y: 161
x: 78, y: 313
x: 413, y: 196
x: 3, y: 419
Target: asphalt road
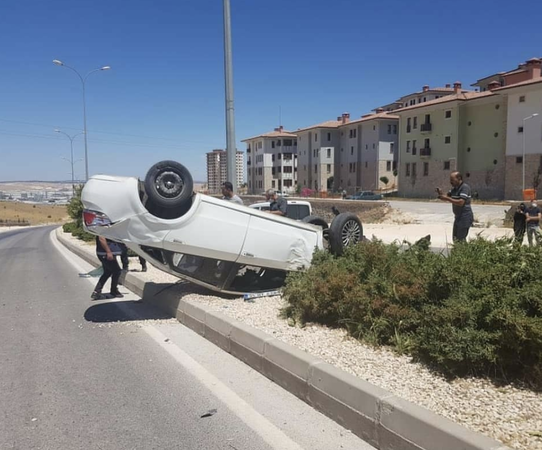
x: 76, y: 374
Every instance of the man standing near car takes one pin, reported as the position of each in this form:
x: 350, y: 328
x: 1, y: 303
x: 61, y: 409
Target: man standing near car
x: 533, y: 223
x: 460, y: 198
x: 277, y: 205
x: 227, y: 192
x: 107, y: 252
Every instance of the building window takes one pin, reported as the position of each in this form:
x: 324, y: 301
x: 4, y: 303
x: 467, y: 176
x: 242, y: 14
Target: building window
x: 352, y: 151
x: 395, y: 129
x: 414, y: 169
x: 315, y: 168
x: 408, y: 125
x: 329, y: 153
x: 497, y: 106
x: 366, y: 146
x: 495, y: 161
x: 425, y: 169
x: 315, y: 137
x: 279, y: 144
x: 469, y: 124
x: 520, y: 129
x: 415, y: 123
x: 408, y: 146
x: 366, y: 165
x: 447, y: 139
x: 446, y: 165
x: 496, y: 135
x: 273, y: 183
x: 407, y: 170
x: 287, y: 169
x: 522, y: 99
x: 427, y: 143
x: 374, y: 127
x: 374, y: 146
x: 388, y: 166
x: 448, y: 114
x: 329, y: 137
x: 414, y: 147
x: 329, y: 168
x: 389, y: 129
x: 260, y: 144
x: 392, y: 148
x: 519, y: 159
x: 424, y: 99
x: 468, y: 149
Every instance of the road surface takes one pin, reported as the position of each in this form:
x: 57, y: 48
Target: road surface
x: 77, y: 374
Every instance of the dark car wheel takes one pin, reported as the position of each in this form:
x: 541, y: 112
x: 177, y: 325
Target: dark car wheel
x: 169, y: 187
x: 346, y: 230
x: 316, y: 220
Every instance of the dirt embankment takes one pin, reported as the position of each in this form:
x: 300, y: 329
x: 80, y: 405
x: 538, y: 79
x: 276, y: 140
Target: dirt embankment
x: 15, y: 213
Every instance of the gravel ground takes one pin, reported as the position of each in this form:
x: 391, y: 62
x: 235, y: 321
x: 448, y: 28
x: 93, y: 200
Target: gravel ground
x: 510, y: 414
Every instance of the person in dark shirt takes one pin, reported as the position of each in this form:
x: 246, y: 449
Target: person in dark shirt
x: 520, y: 222
x: 460, y: 198
x: 107, y: 252
x: 277, y: 205
x: 533, y: 223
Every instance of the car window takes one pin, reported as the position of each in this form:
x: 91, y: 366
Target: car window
x: 297, y: 212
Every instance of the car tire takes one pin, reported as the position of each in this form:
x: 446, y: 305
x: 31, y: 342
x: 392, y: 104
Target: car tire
x: 169, y: 188
x: 318, y: 221
x: 345, y: 231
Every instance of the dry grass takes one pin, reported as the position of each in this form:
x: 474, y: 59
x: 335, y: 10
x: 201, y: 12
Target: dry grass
x: 35, y: 214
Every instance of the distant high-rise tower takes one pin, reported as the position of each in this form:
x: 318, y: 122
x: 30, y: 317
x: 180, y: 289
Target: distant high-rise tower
x: 217, y: 170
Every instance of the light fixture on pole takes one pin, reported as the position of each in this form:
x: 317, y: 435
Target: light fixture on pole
x: 83, y: 83
x: 71, y: 161
x: 523, y: 159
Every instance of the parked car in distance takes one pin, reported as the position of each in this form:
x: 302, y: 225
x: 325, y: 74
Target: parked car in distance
x: 365, y: 195
x: 297, y: 209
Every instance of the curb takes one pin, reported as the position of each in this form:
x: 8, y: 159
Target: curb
x: 378, y: 417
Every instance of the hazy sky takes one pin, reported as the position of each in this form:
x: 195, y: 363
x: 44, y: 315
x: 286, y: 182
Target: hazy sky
x: 164, y: 96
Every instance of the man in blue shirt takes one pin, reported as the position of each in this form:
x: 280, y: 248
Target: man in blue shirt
x: 460, y: 198
x: 533, y: 223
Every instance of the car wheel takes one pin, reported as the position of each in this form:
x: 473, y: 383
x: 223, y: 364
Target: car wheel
x: 346, y: 230
x: 315, y: 220
x: 169, y: 186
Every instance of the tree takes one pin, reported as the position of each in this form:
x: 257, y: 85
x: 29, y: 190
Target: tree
x: 385, y: 180
x: 75, y: 207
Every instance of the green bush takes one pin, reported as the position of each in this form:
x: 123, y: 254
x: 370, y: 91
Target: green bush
x: 476, y: 312
x: 75, y: 211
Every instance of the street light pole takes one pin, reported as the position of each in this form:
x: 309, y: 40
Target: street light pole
x: 83, y: 83
x: 523, y: 159
x: 231, y: 150
x: 71, y: 161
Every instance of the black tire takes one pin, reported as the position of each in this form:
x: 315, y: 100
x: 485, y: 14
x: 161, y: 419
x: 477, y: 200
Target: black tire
x: 169, y: 186
x: 346, y: 230
x: 316, y: 220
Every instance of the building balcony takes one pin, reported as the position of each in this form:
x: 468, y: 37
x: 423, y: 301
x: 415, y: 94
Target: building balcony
x: 426, y: 128
x: 425, y: 151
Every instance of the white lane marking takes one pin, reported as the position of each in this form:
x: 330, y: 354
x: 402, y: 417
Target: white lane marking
x: 270, y: 433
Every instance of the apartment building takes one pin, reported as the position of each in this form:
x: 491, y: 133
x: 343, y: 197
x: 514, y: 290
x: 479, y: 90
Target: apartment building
x: 524, y: 133
x: 317, y: 147
x: 217, y: 173
x: 427, y: 94
x: 368, y: 152
x: 529, y: 70
x: 272, y: 161
x: 465, y: 131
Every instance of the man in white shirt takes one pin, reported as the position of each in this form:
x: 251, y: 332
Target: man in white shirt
x: 227, y: 192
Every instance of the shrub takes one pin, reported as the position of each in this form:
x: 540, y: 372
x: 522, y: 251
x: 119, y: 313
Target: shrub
x: 75, y: 211
x: 476, y: 312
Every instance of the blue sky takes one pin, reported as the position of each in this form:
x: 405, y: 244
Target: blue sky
x: 164, y: 97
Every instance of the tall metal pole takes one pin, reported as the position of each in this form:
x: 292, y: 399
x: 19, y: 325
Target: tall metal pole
x: 71, y: 161
x: 231, y: 150
x: 523, y: 160
x: 83, y: 83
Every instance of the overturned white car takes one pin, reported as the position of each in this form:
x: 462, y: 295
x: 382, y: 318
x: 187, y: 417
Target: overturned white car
x: 212, y: 242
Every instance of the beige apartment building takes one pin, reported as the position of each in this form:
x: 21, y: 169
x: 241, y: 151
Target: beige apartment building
x: 368, y: 152
x: 217, y: 172
x: 272, y: 161
x: 317, y: 147
x: 465, y: 131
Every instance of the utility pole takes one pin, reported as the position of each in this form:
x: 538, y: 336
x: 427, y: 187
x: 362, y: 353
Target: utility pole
x: 231, y: 150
